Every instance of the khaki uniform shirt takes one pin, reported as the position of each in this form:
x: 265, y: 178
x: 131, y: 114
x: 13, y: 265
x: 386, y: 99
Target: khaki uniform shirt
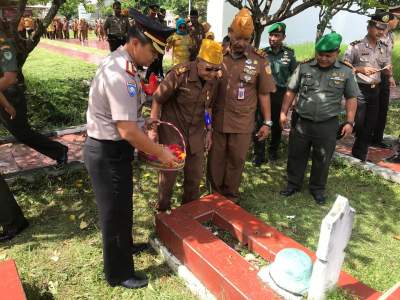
x: 321, y: 91
x: 115, y: 95
x: 283, y: 63
x: 184, y: 100
x: 249, y: 75
x: 117, y: 26
x: 362, y: 54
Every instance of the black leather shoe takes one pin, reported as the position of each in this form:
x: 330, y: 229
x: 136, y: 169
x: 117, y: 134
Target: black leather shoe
x: 288, y: 192
x: 273, y: 156
x: 139, y: 247
x: 133, y: 283
x: 319, y: 198
x: 381, y: 145
x: 10, y: 233
x: 258, y: 162
x: 360, y: 157
x: 63, y: 160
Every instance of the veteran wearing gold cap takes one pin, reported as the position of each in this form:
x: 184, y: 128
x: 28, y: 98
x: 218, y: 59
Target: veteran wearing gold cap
x: 246, y: 83
x: 183, y: 99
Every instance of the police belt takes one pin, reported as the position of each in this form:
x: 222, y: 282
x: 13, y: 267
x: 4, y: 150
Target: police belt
x: 373, y: 85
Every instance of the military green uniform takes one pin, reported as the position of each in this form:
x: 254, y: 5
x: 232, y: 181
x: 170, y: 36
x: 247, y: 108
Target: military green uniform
x: 116, y: 29
x: 15, y: 94
x: 283, y: 63
x: 320, y: 94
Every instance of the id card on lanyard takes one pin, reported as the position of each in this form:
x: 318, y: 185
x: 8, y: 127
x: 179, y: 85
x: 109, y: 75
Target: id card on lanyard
x: 241, y: 92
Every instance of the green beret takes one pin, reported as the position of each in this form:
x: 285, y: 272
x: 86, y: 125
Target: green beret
x: 278, y: 27
x: 329, y: 42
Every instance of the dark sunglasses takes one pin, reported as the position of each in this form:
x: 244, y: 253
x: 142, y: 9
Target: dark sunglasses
x: 211, y: 69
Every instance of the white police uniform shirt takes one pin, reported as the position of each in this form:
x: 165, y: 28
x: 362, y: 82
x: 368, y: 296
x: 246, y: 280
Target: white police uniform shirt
x: 115, y: 95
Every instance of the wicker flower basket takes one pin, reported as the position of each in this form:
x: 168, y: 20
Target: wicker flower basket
x: 178, y: 150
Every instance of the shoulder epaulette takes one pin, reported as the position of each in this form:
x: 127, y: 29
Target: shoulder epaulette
x: 307, y: 60
x: 355, y: 42
x: 261, y: 53
x: 346, y: 63
x: 130, y: 68
x: 383, y: 42
x: 288, y: 48
x: 180, y: 69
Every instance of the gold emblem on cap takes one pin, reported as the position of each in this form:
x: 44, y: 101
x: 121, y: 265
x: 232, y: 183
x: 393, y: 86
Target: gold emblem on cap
x: 385, y: 18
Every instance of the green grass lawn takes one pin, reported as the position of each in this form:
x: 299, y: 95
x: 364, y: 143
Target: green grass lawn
x: 57, y: 90
x: 60, y: 254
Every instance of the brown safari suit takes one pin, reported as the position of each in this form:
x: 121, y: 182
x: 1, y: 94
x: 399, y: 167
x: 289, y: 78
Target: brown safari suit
x: 233, y: 119
x: 184, y: 100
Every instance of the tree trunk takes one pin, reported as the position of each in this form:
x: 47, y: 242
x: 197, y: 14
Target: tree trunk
x: 258, y: 30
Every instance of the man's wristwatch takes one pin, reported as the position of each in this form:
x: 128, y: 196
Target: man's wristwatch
x: 350, y: 123
x: 268, y: 123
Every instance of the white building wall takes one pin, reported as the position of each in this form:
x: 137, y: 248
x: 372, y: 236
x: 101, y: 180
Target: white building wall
x: 300, y: 28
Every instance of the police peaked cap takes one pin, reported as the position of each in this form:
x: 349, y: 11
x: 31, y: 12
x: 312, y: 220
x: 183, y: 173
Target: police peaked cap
x: 153, y: 31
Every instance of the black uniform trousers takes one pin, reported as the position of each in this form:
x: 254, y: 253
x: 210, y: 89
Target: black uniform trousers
x: 384, y: 96
x: 156, y: 67
x: 10, y: 213
x: 366, y: 119
x: 319, y: 138
x: 115, y: 42
x: 22, y: 131
x: 276, y: 130
x: 110, y: 170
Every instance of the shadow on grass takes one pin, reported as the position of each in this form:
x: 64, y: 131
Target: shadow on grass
x: 35, y: 293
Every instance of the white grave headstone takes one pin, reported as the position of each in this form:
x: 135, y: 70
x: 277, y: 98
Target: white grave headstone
x: 335, y: 234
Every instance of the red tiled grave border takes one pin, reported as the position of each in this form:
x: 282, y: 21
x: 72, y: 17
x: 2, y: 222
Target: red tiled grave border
x: 10, y: 283
x: 220, y: 268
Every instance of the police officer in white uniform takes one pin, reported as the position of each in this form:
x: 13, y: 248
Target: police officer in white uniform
x: 113, y: 129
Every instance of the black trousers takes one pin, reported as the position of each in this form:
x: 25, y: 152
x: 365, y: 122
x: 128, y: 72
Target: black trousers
x: 110, y: 170
x: 156, y: 67
x: 366, y: 119
x: 22, y: 131
x: 384, y: 96
x: 276, y: 130
x: 319, y: 138
x: 10, y: 213
x: 115, y: 42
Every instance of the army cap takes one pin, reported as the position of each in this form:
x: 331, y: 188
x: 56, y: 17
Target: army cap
x: 277, y: 27
x: 152, y: 31
x: 329, y: 42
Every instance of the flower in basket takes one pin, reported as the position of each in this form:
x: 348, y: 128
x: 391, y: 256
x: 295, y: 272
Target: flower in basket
x: 177, y: 151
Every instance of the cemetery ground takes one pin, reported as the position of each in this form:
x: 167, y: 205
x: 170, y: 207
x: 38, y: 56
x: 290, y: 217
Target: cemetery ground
x: 59, y: 255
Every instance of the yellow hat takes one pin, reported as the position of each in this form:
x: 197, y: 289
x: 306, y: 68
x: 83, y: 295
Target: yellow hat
x: 124, y: 12
x: 242, y: 24
x: 210, y: 35
x: 211, y: 52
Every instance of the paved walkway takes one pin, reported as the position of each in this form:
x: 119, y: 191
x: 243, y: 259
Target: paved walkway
x: 16, y: 157
x: 88, y: 57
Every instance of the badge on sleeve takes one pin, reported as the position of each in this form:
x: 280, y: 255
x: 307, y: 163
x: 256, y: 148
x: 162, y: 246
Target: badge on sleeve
x: 132, y: 89
x: 7, y: 55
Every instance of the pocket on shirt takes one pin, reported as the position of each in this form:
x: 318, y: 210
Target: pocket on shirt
x: 339, y: 84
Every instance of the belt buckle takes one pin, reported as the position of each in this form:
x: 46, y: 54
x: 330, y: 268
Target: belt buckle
x: 373, y: 86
